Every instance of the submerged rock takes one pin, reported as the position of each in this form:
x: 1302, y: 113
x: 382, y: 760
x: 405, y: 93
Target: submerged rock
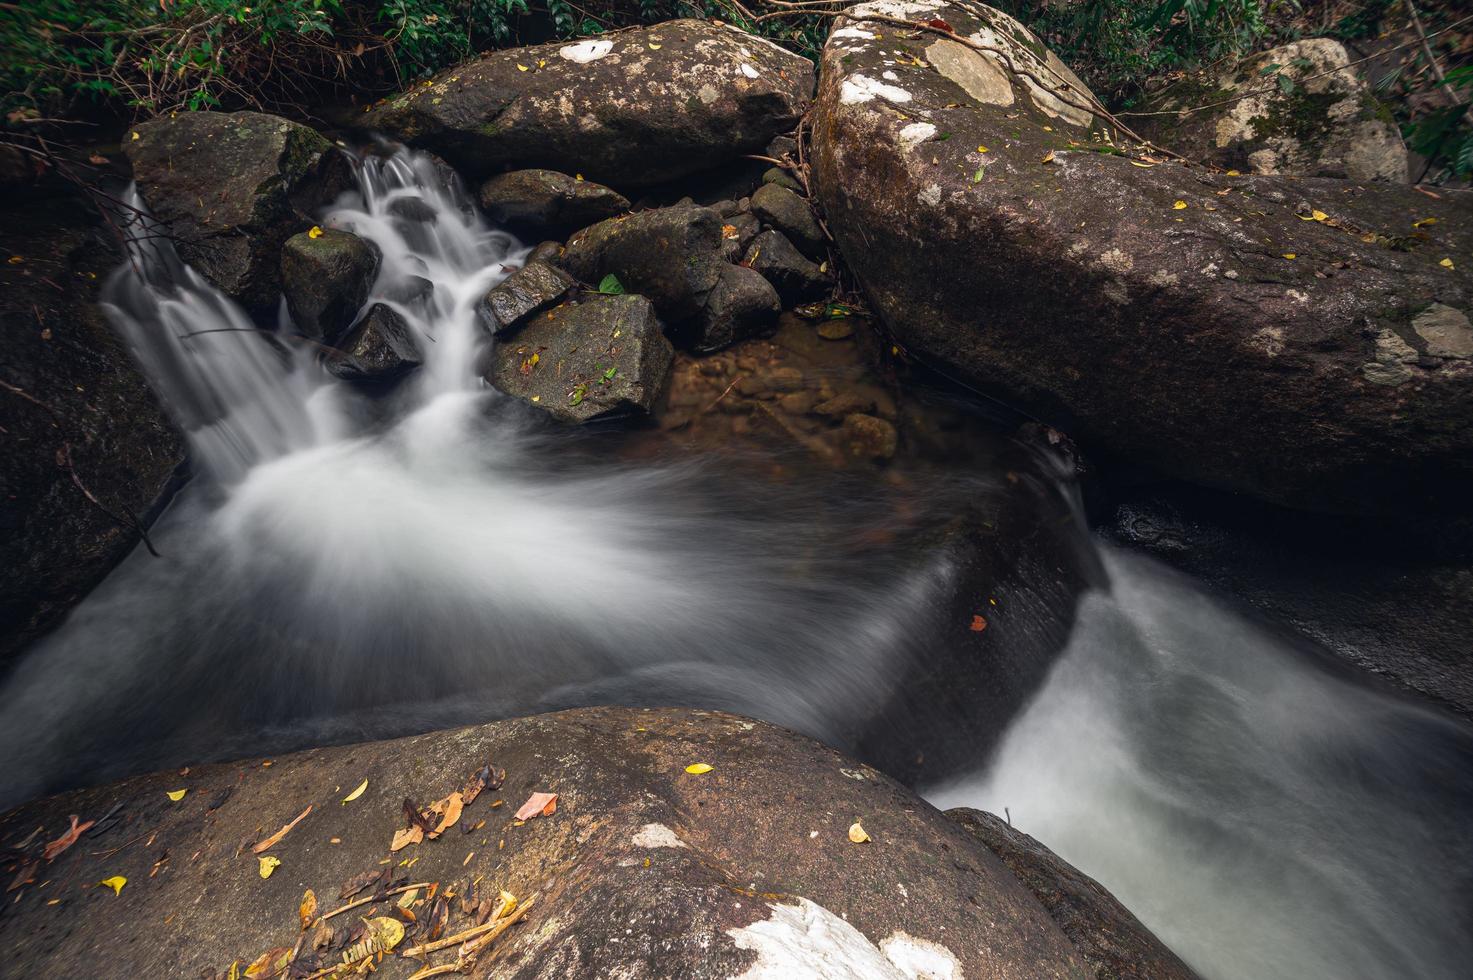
x: 381, y: 348
x: 1113, y: 942
x: 325, y: 280
x: 1258, y: 334
x: 579, y: 361
x: 741, y: 305
x: 231, y: 188
x: 533, y: 288
x: 631, y: 109
x: 76, y: 419
x: 1327, y: 124
x: 549, y: 201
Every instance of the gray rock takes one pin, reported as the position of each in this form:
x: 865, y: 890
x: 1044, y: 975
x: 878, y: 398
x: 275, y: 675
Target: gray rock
x: 791, y: 215
x: 737, y: 233
x: 380, y: 349
x: 326, y: 280
x: 1113, y: 942
x: 549, y: 252
x: 796, y: 279
x: 780, y: 177
x: 605, y: 356
x: 670, y: 255
x: 231, y: 188
x: 533, y: 288
x: 1234, y: 341
x: 741, y: 305
x: 1329, y: 124
x: 634, y: 108
x: 549, y: 200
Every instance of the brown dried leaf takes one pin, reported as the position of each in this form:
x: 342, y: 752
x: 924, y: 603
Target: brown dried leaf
x: 403, y: 838
x: 449, y: 809
x: 66, y: 840
x: 357, y: 884
x: 275, y: 838
x: 538, y: 803
x: 307, y: 910
x: 439, y: 916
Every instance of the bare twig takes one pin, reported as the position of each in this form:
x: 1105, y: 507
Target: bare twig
x: 375, y: 897
x: 495, y: 928
x: 65, y: 459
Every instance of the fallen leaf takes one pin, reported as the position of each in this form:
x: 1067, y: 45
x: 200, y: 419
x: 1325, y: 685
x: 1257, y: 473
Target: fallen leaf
x: 1141, y: 163
x: 979, y: 624
x: 357, y: 884
x: 1179, y: 206
x: 176, y: 795
x: 269, y: 963
x: 483, y: 779
x: 1425, y: 222
x: 356, y: 793
x: 1447, y: 264
x: 116, y: 883
x: 1048, y: 157
x: 655, y: 47
x: 307, y: 910
x: 449, y: 809
x: 269, y: 863
x: 403, y: 838
x: 698, y: 768
x: 522, y: 68
x: 538, y: 803
x: 67, y: 839
x: 275, y: 838
x: 314, y: 232
x: 857, y: 834
x: 981, y: 149
x: 1234, y: 173
x: 1291, y: 256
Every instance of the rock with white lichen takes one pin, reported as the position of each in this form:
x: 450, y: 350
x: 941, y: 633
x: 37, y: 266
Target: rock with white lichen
x: 1303, y: 340
x: 629, y: 109
x: 1296, y: 109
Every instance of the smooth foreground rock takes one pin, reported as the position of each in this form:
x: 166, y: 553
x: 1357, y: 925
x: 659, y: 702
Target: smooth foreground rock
x: 642, y: 870
x: 1303, y: 340
x: 548, y: 201
x: 604, y: 356
x: 325, y: 280
x: 528, y: 291
x: 630, y: 109
x: 1329, y: 124
x: 380, y: 349
x: 232, y: 187
x: 76, y: 417
x: 1113, y: 941
x: 790, y: 214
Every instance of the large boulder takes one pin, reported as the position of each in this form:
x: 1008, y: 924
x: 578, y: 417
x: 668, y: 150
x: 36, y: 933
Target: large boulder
x: 1323, y: 121
x: 231, y: 188
x: 326, y: 276
x: 89, y: 453
x: 1303, y: 340
x: 548, y: 201
x: 643, y: 867
x: 1113, y: 941
x: 630, y: 109
x: 605, y: 356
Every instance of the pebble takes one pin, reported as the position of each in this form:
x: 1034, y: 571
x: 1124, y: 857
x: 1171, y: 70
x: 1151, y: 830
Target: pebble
x: 840, y: 329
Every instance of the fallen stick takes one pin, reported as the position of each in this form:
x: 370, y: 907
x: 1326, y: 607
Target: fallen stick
x: 498, y: 925
x: 375, y: 897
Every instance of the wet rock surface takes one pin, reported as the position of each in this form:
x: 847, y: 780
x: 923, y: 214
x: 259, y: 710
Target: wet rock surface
x: 528, y: 291
x: 1113, y: 942
x: 742, y: 304
x: 790, y: 214
x: 231, y: 188
x: 605, y: 355
x: 630, y: 109
x: 1327, y: 124
x: 381, y: 348
x: 548, y: 201
x: 76, y: 418
x: 796, y: 279
x: 1255, y: 334
x: 642, y: 869
x: 670, y: 255
x: 325, y: 279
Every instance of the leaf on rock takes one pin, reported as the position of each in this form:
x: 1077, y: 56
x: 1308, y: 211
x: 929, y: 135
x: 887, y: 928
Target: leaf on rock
x: 487, y: 777
x: 403, y: 838
x: 1446, y: 264
x: 360, y: 882
x: 176, y: 795
x: 269, y: 863
x: 449, y: 809
x: 1179, y: 206
x: 610, y: 285
x: 67, y: 839
x: 979, y: 623
x: 307, y: 910
x: 384, y: 933
x: 269, y: 964
x: 857, y: 833
x: 1425, y: 222
x: 275, y: 838
x: 543, y: 804
x: 698, y: 768
x: 315, y: 232
x: 1048, y: 157
x: 356, y: 793
x: 116, y: 883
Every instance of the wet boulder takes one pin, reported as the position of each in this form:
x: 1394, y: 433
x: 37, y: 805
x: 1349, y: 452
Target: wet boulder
x: 796, y: 279
x: 630, y: 109
x: 742, y: 305
x: 326, y: 276
x: 89, y: 453
x: 671, y: 255
x: 231, y: 188
x: 1113, y: 941
x: 790, y: 214
x: 548, y: 201
x: 605, y: 356
x: 381, y: 348
x: 1321, y: 121
x: 1281, y: 337
x: 680, y: 843
x: 534, y: 287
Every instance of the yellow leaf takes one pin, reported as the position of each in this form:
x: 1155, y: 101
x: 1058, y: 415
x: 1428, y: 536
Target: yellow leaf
x: 655, y: 47
x: 269, y: 863
x: 1233, y: 173
x: 176, y: 795
x: 1424, y: 222
x: 981, y: 149
x: 116, y: 883
x: 522, y: 68
x: 387, y: 932
x: 1291, y: 256
x: 1048, y: 129
x: 316, y: 232
x: 1141, y: 163
x: 356, y: 793
x: 135, y: 135
x: 577, y: 176
x: 857, y: 834
x: 541, y: 62
x: 1048, y: 157
x: 1179, y: 206
x: 1318, y: 215
x: 1446, y: 263
x: 698, y: 768
x: 307, y: 910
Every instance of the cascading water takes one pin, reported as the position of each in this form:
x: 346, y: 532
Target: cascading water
x: 1268, y: 817
x: 346, y: 567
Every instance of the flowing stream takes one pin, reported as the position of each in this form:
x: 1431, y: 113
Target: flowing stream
x: 346, y: 566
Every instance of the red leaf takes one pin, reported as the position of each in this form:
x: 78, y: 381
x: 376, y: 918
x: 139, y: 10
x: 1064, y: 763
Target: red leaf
x: 978, y: 624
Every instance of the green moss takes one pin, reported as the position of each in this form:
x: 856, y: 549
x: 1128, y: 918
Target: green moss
x: 1301, y: 115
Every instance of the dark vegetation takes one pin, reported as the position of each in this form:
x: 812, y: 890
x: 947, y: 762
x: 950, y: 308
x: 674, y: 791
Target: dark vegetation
x: 68, y: 65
